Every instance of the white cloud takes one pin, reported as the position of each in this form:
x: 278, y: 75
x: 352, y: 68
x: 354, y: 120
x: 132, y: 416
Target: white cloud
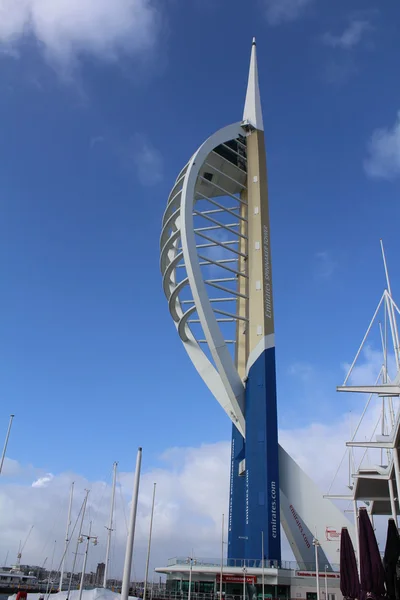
x: 191, y: 495
x: 351, y: 36
x: 147, y: 160
x: 383, y: 160
x: 43, y: 481
x: 67, y: 29
x: 279, y: 11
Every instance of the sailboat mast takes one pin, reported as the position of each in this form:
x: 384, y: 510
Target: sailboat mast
x: 6, y: 443
x: 83, y: 510
x: 149, y: 546
x: 66, y: 536
x: 110, y: 524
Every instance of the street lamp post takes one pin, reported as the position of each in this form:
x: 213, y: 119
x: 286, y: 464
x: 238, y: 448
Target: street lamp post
x: 244, y: 583
x: 191, y: 562
x: 316, y: 544
x: 80, y: 539
x: 326, y: 582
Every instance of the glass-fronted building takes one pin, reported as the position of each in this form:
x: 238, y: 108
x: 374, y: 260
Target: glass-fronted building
x: 284, y: 581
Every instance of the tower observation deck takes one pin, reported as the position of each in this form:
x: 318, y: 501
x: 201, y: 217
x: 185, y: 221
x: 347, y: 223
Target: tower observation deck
x: 217, y: 278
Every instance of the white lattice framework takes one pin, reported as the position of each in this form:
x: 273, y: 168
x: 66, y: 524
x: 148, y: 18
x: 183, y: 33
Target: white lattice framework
x: 202, y: 244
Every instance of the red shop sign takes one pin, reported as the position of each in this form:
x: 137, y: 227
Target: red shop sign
x: 237, y: 578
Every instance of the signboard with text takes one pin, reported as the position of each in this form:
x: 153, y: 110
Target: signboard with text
x: 321, y: 574
x: 237, y: 578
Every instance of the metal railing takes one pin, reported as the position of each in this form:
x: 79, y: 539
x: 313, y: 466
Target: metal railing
x: 165, y: 595
x: 249, y: 563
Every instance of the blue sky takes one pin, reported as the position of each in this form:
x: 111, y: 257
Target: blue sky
x: 99, y: 113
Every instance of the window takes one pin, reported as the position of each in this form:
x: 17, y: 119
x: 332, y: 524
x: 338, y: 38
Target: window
x: 206, y: 587
x: 311, y: 595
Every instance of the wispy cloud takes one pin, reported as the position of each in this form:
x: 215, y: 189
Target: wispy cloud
x: 350, y: 37
x: 383, y: 161
x: 302, y: 370
x: 97, y: 139
x: 325, y: 265
x: 148, y: 161
x: 340, y: 70
x: 67, y: 29
x: 43, y: 481
x: 280, y: 11
x: 369, y: 365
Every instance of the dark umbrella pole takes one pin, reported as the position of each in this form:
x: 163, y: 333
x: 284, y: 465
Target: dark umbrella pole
x: 349, y: 581
x: 372, y: 574
x: 392, y: 553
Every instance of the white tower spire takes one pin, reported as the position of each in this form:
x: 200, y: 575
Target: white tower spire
x: 252, y: 108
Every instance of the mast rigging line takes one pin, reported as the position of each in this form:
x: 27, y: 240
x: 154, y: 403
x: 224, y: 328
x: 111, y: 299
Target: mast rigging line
x: 67, y: 546
x: 122, y: 501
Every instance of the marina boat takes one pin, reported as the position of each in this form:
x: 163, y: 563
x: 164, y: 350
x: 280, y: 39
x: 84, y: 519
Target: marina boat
x: 11, y: 580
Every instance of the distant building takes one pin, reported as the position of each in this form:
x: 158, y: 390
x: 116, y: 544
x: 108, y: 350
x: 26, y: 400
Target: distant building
x: 100, y: 573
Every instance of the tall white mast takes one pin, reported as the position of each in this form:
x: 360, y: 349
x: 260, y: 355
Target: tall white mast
x: 131, y: 533
x: 391, y: 313
x: 6, y: 443
x: 66, y: 536
x: 110, y: 524
x: 149, y: 546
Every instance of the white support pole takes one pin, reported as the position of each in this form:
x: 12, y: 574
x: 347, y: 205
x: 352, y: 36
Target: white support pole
x: 316, y: 544
x: 149, y: 545
x: 110, y: 525
x: 131, y: 534
x: 222, y: 558
x: 392, y: 501
x: 263, y: 563
x: 66, y: 537
x: 326, y: 582
x: 244, y: 583
x: 6, y: 443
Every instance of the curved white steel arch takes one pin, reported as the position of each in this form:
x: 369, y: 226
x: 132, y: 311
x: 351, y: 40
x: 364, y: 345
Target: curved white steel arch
x: 222, y: 379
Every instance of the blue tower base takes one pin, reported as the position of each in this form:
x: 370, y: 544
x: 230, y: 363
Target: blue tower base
x: 254, y: 495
